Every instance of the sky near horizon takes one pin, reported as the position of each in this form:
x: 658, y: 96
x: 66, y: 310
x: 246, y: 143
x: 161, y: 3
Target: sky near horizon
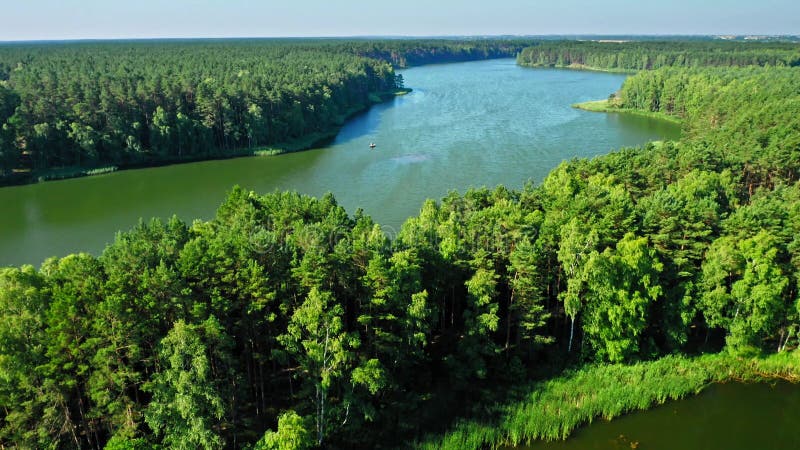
x: 113, y: 19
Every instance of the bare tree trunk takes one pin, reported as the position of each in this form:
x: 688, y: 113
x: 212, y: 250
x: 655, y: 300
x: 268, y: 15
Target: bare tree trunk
x: 508, y: 320
x: 786, y: 341
x: 261, y: 385
x: 571, y: 334
x: 452, y: 307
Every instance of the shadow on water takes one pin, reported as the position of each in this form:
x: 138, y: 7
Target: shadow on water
x: 668, y: 130
x: 366, y: 123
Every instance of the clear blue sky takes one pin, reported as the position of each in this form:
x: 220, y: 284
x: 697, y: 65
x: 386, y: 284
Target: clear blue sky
x: 78, y: 19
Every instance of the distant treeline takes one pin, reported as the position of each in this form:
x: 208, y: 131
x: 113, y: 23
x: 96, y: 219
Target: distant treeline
x: 87, y: 105
x: 285, y: 323
x: 634, y: 56
x: 406, y: 53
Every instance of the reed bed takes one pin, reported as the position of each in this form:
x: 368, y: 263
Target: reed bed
x: 552, y: 409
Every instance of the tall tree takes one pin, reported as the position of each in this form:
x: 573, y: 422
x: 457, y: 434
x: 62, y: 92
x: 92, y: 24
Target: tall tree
x: 316, y: 339
x: 622, y: 286
x: 187, y: 405
x: 26, y: 420
x: 575, y: 248
x: 745, y: 289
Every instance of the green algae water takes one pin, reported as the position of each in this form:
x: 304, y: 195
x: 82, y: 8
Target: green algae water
x: 465, y: 125
x: 723, y: 417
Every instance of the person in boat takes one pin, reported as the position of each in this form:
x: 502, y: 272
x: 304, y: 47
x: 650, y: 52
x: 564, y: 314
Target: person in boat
x: 371, y: 145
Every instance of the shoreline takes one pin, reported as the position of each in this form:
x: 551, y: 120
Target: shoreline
x: 302, y: 143
x: 578, y: 67
x: 605, y: 106
x: 309, y: 141
x: 553, y: 408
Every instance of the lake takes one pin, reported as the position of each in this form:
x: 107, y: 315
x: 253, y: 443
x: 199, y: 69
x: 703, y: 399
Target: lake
x: 465, y: 125
x: 721, y: 417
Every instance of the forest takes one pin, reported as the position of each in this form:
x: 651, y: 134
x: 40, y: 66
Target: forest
x: 71, y: 109
x: 68, y: 109
x: 633, y: 56
x: 286, y: 323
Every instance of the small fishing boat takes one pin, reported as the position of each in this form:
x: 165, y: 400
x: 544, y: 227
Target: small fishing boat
x: 372, y: 145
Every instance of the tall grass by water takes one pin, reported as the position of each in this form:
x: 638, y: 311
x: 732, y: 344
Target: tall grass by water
x: 552, y: 409
x: 74, y: 172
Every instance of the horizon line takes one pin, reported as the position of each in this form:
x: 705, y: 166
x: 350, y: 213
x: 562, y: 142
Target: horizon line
x: 397, y: 36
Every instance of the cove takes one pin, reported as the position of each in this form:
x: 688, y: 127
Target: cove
x: 730, y: 416
x: 465, y: 125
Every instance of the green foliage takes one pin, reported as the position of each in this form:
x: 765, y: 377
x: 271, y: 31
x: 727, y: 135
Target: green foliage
x: 285, y: 313
x: 292, y: 434
x: 745, y: 288
x: 576, y: 246
x: 525, y: 303
x: 552, y: 409
x: 186, y: 400
x: 315, y: 337
x: 121, y: 443
x: 623, y: 286
x: 71, y: 108
x: 114, y: 104
x: 644, y: 55
x: 23, y: 306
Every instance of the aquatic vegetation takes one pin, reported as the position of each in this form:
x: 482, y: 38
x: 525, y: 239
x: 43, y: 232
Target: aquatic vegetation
x: 554, y: 408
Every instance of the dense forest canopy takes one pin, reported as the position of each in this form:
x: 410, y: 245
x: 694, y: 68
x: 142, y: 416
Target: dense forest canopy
x: 286, y: 323
x: 127, y: 103
x: 633, y: 56
x: 107, y: 104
